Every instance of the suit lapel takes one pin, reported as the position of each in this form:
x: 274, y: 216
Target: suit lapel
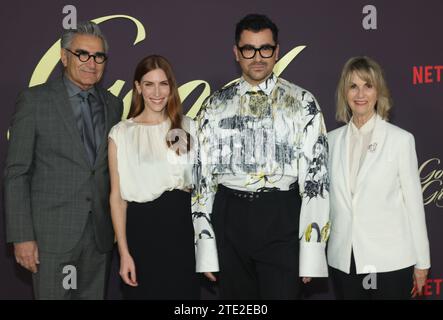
x: 344, y: 151
x: 61, y: 100
x: 374, y: 150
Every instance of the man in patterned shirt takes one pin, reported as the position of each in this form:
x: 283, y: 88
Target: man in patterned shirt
x: 260, y: 205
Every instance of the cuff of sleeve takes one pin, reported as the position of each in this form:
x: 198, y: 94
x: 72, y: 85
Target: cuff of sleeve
x: 14, y: 238
x: 313, y: 260
x: 424, y: 259
x: 423, y: 266
x: 206, y: 256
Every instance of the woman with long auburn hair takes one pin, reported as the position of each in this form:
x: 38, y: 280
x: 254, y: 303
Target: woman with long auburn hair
x: 150, y: 184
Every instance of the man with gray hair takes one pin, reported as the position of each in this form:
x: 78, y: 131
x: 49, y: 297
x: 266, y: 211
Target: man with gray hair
x: 56, y: 174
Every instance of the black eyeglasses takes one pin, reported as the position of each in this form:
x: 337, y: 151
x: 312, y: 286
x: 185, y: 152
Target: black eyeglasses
x: 249, y: 52
x: 84, y: 56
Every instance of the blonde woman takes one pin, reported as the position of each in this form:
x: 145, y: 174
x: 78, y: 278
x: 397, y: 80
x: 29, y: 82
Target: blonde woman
x: 377, y: 215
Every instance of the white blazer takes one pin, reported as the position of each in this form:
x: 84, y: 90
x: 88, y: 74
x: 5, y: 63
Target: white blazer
x: 384, y: 222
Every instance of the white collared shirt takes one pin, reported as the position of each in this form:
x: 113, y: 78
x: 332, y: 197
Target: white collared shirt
x: 359, y: 141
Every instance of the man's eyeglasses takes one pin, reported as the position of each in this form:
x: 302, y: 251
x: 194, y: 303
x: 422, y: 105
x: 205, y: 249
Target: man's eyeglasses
x: 249, y: 52
x: 84, y: 56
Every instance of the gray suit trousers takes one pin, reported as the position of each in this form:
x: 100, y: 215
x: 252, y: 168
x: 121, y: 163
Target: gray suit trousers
x: 81, y: 273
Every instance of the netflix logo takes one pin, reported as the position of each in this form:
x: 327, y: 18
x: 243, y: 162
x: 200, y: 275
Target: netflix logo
x: 426, y: 74
x: 432, y: 288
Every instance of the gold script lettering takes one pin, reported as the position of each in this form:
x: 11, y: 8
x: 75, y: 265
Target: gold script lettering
x: 279, y: 67
x: 50, y: 59
x: 432, y: 182
x: 48, y: 62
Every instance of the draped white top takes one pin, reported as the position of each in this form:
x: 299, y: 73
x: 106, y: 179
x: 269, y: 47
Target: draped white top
x: 147, y: 167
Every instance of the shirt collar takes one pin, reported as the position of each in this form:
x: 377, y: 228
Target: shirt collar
x: 366, y: 128
x: 266, y: 86
x: 74, y: 90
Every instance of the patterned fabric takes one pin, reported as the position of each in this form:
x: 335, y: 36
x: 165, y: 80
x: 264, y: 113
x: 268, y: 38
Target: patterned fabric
x: 260, y: 139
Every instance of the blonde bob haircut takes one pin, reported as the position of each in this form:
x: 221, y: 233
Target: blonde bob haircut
x: 371, y: 72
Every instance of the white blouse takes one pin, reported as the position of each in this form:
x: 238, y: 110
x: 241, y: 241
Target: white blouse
x: 358, y: 147
x: 147, y: 167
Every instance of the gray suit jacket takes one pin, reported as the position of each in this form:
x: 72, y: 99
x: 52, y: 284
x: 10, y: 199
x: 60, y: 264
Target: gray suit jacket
x: 50, y: 187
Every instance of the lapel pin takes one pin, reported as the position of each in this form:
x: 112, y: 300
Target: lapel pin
x: 372, y: 147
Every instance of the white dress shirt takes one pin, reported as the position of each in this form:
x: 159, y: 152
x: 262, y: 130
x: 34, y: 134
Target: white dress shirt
x: 359, y: 141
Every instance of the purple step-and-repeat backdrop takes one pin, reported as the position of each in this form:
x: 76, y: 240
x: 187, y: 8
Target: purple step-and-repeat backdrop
x: 316, y: 38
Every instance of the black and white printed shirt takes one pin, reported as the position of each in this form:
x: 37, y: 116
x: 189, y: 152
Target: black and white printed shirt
x: 263, y: 138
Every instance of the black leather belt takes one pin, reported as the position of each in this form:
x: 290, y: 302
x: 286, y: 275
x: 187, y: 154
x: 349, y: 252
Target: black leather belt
x: 252, y: 196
